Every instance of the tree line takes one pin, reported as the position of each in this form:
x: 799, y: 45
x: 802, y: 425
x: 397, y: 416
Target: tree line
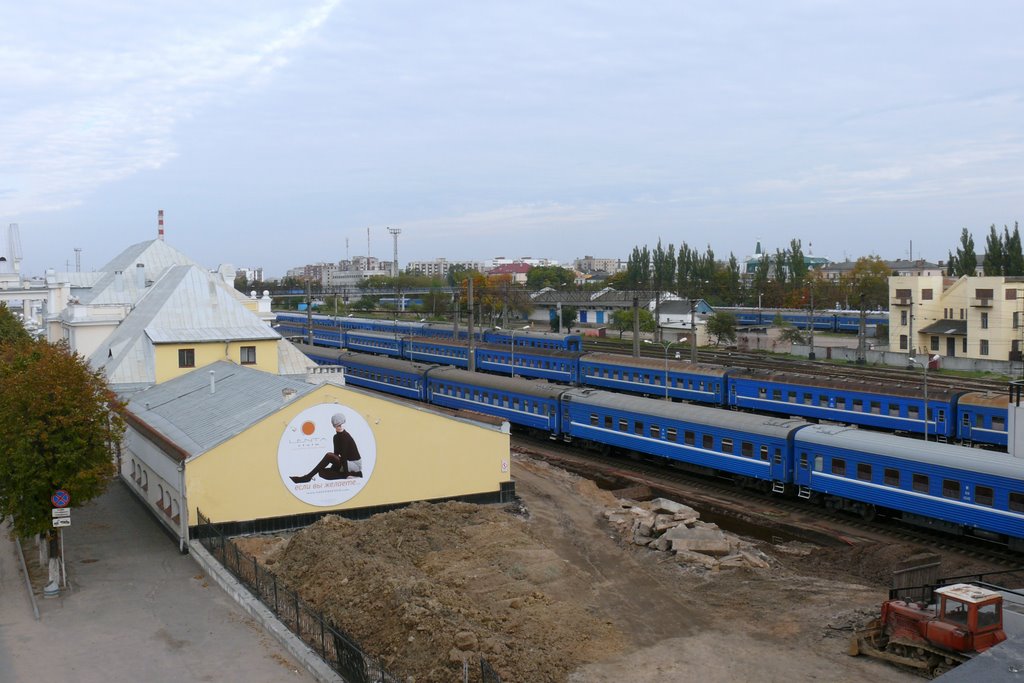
x: 1003, y: 254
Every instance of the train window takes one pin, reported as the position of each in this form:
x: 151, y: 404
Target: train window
x: 762, y: 392
x: 623, y: 425
x: 515, y: 404
x: 778, y: 456
x: 607, y: 421
x: 858, y: 405
x: 823, y: 401
x: 863, y: 471
x: 913, y: 412
x: 839, y: 467
x: 764, y: 453
x: 803, y: 461
x: 950, y: 488
x: 876, y: 407
x: 776, y: 394
x: 593, y: 420
x: 941, y: 415
x: 708, y: 441
x: 819, y: 463
x: 1016, y: 502
x: 894, y: 410
x: 999, y: 423
x: 638, y: 428
x: 688, y: 438
x: 841, y: 403
x: 808, y: 399
x: 983, y: 495
x: 891, y: 476
x: 655, y: 432
x: 670, y: 434
x: 792, y: 397
x: 727, y: 445
x: 920, y: 483
x: 747, y: 449
x: 979, y: 420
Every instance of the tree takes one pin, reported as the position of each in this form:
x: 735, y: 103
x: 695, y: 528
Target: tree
x: 555, y: 277
x: 11, y: 329
x: 868, y: 282
x: 569, y: 316
x: 791, y: 334
x: 664, y: 263
x: 1013, y: 263
x: 965, y: 262
x: 722, y: 326
x: 638, y: 269
x: 60, y: 422
x: 994, y: 257
x: 622, y: 321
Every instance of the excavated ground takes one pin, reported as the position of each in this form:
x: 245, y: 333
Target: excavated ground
x: 550, y: 591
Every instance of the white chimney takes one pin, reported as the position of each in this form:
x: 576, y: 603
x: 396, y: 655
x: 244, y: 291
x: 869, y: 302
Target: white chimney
x: 140, y: 275
x: 213, y: 382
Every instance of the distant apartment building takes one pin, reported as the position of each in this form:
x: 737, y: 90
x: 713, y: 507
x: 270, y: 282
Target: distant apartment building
x: 589, y: 264
x: 973, y: 317
x: 250, y: 274
x: 899, y: 267
x: 528, y: 260
x: 439, y: 267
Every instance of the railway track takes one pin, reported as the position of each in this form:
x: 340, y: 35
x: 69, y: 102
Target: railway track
x: 774, y: 513
x: 758, y: 361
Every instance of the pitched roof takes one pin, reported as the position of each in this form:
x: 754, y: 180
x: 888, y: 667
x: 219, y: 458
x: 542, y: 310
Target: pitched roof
x: 185, y: 411
x: 186, y: 304
x: 950, y: 327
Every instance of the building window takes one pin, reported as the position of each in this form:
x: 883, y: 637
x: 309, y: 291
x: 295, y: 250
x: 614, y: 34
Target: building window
x: 1011, y: 294
x: 934, y: 343
x: 926, y: 295
x: 964, y: 345
x: 1016, y: 319
x: 248, y: 355
x: 186, y: 358
x: 984, y: 321
x: 984, y: 347
x: 903, y: 341
x: 903, y: 317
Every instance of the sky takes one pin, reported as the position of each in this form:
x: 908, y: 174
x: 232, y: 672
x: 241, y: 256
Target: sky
x: 277, y: 134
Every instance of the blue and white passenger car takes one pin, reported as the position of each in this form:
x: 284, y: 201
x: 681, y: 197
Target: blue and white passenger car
x: 524, y: 403
x: 647, y: 376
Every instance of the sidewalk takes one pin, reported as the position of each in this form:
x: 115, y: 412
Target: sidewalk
x: 136, y: 609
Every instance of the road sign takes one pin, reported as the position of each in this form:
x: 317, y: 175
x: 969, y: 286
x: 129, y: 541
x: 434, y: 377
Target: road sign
x: 62, y: 521
x: 60, y: 498
x: 60, y: 512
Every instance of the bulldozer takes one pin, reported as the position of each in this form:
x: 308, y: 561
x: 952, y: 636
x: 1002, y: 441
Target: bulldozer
x: 963, y: 621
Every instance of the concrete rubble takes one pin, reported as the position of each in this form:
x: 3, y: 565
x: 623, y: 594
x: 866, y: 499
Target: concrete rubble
x: 667, y: 526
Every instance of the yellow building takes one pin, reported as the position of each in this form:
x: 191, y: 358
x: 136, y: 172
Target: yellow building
x: 972, y: 317
x: 251, y: 448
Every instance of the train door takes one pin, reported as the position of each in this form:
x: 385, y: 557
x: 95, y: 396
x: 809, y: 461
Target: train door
x: 965, y: 426
x: 940, y: 422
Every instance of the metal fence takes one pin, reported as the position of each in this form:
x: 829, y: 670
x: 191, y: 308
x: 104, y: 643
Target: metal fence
x: 339, y: 650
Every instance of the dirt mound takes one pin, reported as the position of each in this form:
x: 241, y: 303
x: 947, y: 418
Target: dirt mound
x: 430, y: 585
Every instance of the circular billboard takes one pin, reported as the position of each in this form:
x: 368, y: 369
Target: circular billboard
x: 326, y: 454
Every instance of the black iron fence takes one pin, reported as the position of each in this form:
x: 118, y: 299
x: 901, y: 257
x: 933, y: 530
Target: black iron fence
x: 339, y: 650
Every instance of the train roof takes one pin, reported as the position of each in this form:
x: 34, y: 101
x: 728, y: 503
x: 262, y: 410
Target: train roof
x: 904, y: 448
x: 895, y: 388
x: 374, y: 334
x: 768, y: 425
x: 322, y: 351
x: 655, y: 363
x: 537, y: 388
x: 384, y: 362
x: 990, y: 399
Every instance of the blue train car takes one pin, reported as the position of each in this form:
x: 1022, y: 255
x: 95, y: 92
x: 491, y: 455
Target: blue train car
x: 380, y: 343
x: 958, y: 490
x: 524, y: 403
x: 981, y: 418
x: 686, y: 381
x: 825, y: 320
x: 536, y: 340
x: 439, y: 350
x: 539, y: 363
x: 750, y: 447
x: 891, y: 407
x: 380, y: 373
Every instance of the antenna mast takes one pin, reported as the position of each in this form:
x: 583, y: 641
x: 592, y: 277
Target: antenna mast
x: 395, y: 232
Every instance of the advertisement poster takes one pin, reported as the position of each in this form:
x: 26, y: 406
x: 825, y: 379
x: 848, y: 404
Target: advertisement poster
x: 326, y: 454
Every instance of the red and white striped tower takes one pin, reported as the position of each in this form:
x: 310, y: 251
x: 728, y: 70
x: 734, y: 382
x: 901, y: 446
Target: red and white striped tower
x: 160, y: 225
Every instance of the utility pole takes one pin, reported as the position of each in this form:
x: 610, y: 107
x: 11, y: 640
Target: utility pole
x: 395, y: 232
x: 693, y: 330
x: 910, y: 337
x: 469, y: 327
x: 862, y: 333
x: 636, y: 325
x: 309, y: 312
x: 810, y: 334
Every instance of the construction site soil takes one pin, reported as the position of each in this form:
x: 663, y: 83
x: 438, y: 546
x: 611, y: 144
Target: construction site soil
x: 550, y: 591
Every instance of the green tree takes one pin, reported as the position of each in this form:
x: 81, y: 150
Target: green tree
x: 868, y: 282
x: 994, y: 258
x: 965, y: 262
x: 555, y: 277
x: 11, y: 329
x: 638, y: 269
x: 1013, y: 263
x: 722, y: 326
x: 60, y: 422
x: 622, y: 321
x: 569, y: 316
x: 664, y: 271
x: 791, y: 334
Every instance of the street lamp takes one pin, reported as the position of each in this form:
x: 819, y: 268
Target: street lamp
x: 666, y: 344
x: 512, y: 359
x: 924, y: 365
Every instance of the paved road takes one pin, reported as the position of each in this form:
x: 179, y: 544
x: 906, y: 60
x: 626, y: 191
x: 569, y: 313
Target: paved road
x: 137, y: 610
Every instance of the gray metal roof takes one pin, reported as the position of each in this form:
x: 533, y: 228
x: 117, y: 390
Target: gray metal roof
x: 185, y: 304
x: 932, y: 453
x: 188, y: 414
x: 951, y: 327
x: 713, y: 417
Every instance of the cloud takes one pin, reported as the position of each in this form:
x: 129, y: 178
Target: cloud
x: 89, y: 115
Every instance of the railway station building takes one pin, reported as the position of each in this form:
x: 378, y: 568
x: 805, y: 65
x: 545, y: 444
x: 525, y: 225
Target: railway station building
x: 247, y: 449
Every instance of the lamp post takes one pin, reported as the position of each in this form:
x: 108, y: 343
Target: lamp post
x: 512, y: 359
x: 666, y: 344
x: 924, y: 365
